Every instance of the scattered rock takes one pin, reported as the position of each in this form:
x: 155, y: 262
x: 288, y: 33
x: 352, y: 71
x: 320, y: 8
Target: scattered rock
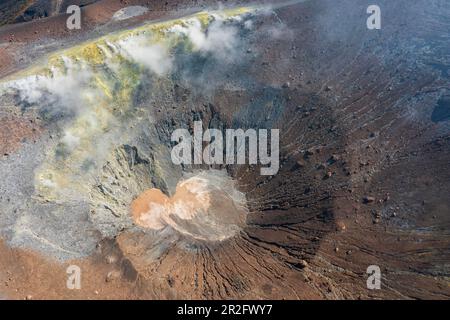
x: 368, y: 199
x: 321, y: 166
x: 111, y: 259
x: 300, y: 164
x: 170, y: 281
x: 309, y: 152
x: 303, y: 264
x: 340, y: 226
x: 334, y: 158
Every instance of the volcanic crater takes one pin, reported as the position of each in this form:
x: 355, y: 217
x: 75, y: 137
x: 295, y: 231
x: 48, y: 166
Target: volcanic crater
x: 363, y: 177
